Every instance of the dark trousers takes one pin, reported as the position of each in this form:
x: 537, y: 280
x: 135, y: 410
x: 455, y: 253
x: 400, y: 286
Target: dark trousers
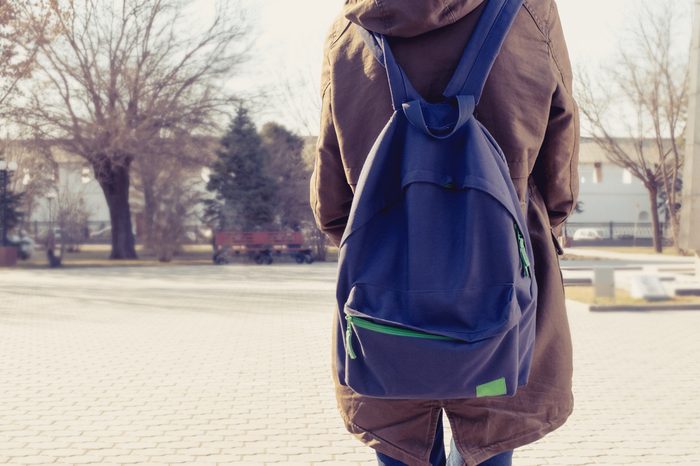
x: 439, y: 458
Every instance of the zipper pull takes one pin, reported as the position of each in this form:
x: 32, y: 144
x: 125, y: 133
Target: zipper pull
x: 348, y: 338
x: 522, y: 248
x: 524, y: 259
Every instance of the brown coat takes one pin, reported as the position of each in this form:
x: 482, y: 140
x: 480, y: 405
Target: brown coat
x: 527, y: 106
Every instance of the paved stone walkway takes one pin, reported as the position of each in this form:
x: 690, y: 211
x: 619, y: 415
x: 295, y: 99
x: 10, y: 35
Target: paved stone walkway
x: 230, y: 365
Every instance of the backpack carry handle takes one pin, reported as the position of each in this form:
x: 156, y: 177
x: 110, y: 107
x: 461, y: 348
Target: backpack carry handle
x: 414, y: 112
x: 405, y: 98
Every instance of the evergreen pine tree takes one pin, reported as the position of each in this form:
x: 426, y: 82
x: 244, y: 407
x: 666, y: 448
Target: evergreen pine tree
x: 245, y: 193
x: 291, y: 174
x: 10, y: 211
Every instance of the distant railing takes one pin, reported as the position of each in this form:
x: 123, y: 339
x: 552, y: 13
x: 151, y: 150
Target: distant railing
x: 94, y: 232
x: 617, y: 233
x: 589, y: 233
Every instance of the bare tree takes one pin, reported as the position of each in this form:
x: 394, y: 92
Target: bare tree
x: 290, y: 173
x: 18, y: 46
x: 175, y: 202
x: 316, y: 237
x: 298, y: 95
x: 302, y: 102
x: 179, y: 161
x: 71, y: 215
x: 120, y: 77
x: 646, y: 92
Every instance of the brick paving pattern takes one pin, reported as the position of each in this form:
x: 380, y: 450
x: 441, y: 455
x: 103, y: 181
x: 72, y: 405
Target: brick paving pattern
x: 230, y: 365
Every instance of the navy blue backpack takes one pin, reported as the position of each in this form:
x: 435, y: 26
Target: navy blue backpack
x: 436, y: 290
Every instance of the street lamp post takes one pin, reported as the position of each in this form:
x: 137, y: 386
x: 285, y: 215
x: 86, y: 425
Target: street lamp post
x: 690, y: 213
x: 53, y: 253
x: 6, y: 170
x: 3, y: 200
x: 8, y: 255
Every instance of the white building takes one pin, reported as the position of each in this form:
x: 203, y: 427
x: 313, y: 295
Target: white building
x: 608, y: 193
x: 614, y: 204
x: 64, y: 178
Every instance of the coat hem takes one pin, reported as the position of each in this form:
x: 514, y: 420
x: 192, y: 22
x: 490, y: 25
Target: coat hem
x: 471, y: 456
x: 475, y: 456
x: 383, y: 446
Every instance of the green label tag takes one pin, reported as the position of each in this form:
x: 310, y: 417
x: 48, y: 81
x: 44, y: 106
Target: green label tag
x: 494, y: 388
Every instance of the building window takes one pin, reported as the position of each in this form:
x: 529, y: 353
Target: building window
x: 626, y: 176
x: 597, y: 172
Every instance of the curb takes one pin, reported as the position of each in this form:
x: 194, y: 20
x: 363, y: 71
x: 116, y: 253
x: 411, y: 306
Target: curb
x: 645, y: 307
x: 578, y: 282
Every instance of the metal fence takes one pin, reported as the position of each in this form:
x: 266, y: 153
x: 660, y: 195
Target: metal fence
x: 94, y: 232
x: 578, y: 233
x: 615, y: 233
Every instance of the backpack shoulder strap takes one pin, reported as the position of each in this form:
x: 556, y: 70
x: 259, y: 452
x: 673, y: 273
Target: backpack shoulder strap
x: 373, y: 42
x: 401, y: 88
x: 483, y: 48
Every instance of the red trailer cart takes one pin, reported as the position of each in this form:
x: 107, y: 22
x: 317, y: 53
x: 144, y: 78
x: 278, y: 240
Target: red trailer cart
x: 260, y: 246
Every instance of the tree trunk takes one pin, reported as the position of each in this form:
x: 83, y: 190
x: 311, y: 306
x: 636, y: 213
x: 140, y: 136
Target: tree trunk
x: 674, y: 218
x: 149, y: 213
x: 114, y: 181
x: 321, y: 249
x: 656, y: 227
x: 672, y: 214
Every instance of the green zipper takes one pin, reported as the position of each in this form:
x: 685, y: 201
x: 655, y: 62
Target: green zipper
x: 524, y: 259
x: 386, y: 329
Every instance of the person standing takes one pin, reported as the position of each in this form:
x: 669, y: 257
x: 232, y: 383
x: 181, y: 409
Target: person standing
x: 528, y: 108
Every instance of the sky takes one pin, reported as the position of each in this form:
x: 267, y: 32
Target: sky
x: 287, y: 43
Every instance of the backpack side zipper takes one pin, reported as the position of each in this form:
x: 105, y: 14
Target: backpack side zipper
x: 522, y: 248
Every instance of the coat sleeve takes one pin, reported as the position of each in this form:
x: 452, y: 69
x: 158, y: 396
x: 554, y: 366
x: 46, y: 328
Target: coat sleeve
x: 330, y: 194
x: 556, y: 171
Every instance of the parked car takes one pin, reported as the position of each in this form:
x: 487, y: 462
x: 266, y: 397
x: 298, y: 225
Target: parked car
x: 103, y: 234
x: 588, y: 234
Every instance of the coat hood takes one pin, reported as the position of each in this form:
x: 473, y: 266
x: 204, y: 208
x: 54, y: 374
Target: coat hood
x: 407, y: 18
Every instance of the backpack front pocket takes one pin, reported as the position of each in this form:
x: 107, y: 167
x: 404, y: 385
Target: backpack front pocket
x: 413, y: 344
